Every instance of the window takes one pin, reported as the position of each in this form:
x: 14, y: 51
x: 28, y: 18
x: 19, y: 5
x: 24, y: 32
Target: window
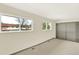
x: 46, y: 26
x: 26, y: 24
x: 49, y: 26
x: 10, y: 24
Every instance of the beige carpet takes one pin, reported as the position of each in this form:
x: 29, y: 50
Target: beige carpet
x: 53, y: 47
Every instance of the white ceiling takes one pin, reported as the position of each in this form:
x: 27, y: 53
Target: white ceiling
x: 50, y: 10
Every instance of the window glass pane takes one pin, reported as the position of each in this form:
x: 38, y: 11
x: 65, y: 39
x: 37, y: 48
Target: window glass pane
x: 26, y: 24
x: 49, y: 26
x: 9, y: 23
x: 44, y: 25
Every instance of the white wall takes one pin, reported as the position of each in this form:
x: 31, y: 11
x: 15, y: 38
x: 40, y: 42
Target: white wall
x: 12, y: 42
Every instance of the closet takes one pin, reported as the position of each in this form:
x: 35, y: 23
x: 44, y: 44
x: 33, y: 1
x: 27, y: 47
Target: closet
x: 68, y: 31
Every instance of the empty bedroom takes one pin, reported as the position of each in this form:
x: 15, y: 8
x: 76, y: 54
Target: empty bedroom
x: 39, y: 28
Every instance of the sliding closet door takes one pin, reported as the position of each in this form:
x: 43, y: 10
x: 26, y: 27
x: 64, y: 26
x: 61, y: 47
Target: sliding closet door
x: 77, y: 31
x: 67, y: 31
x: 71, y: 31
x: 60, y: 30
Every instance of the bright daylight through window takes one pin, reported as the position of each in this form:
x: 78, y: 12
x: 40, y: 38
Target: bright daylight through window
x: 47, y: 26
x: 10, y: 24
